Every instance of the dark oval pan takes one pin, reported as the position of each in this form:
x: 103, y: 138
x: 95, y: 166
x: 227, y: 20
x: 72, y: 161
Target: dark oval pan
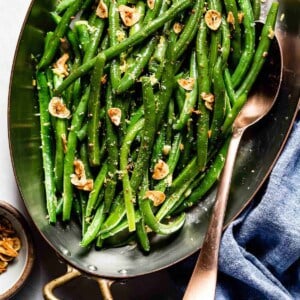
x: 259, y: 150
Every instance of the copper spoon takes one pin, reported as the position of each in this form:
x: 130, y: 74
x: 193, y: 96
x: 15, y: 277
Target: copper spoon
x: 202, y: 284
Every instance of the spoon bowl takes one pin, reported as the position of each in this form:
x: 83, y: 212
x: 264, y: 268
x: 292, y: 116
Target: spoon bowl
x: 260, y: 101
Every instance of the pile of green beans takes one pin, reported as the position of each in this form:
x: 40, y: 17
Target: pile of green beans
x: 175, y: 85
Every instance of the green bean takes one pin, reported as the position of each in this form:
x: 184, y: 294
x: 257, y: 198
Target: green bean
x: 58, y: 33
x: 232, y: 11
x: 63, y: 5
x: 204, y: 84
x: 154, y: 224
x: 142, y: 235
x: 94, y: 112
x: 135, y: 70
x: 262, y: 49
x: 256, y: 6
x: 140, y: 9
x: 82, y: 196
x: 129, y: 197
x: 219, y: 103
x: 233, y: 113
x: 117, y: 212
x: 94, y: 227
x: 225, y: 49
x: 153, y: 13
x: 171, y: 162
x: 173, y: 200
x: 131, y: 41
x: 82, y: 133
x: 45, y: 128
x: 112, y: 146
x: 247, y: 54
x: 83, y: 34
x: 94, y: 194
x: 120, y: 227
x: 144, y: 154
x: 77, y: 119
x: 209, y: 179
x: 191, y: 97
x: 96, y: 33
x: 60, y: 137
x: 228, y: 87
x: 158, y: 146
x: 115, y: 30
x: 189, y: 31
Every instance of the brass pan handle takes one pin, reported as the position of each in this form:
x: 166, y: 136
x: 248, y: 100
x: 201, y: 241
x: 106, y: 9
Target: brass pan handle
x: 72, y: 273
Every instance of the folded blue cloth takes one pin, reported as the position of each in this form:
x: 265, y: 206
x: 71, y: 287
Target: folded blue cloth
x: 260, y: 250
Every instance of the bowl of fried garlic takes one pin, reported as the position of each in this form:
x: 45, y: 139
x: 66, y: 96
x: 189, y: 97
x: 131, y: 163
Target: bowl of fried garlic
x: 16, y: 250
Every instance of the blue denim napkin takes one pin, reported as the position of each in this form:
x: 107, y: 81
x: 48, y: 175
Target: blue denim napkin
x: 260, y: 250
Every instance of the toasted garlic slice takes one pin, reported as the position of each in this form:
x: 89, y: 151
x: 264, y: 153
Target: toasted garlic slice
x: 60, y: 67
x: 187, y: 84
x: 79, y: 178
x: 151, y: 3
x: 208, y: 99
x: 213, y: 19
x: 129, y: 15
x: 177, y: 27
x: 157, y: 197
x: 161, y: 170
x: 102, y: 10
x: 115, y: 115
x: 58, y: 109
x: 231, y: 19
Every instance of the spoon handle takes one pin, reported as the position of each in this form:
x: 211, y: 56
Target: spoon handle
x: 202, y: 284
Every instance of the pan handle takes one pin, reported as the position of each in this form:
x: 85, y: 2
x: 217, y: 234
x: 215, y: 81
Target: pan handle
x: 72, y: 273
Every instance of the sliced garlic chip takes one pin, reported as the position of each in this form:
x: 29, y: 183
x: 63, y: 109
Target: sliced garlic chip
x: 58, y: 109
x: 129, y: 15
x: 187, y: 84
x: 157, y: 197
x: 115, y: 115
x: 151, y: 3
x: 102, y: 10
x: 60, y: 67
x: 177, y: 27
x: 161, y: 170
x: 213, y: 19
x: 231, y: 19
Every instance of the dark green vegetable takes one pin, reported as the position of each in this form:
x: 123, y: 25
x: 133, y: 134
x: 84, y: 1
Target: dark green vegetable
x: 45, y: 127
x: 151, y: 106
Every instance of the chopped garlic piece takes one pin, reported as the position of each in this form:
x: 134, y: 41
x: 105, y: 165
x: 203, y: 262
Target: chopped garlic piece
x: 271, y: 34
x: 151, y: 3
x: 230, y: 19
x: 157, y: 197
x: 60, y: 67
x: 177, y: 27
x: 166, y: 149
x: 161, y: 170
x: 213, y: 19
x: 58, y: 109
x: 115, y: 115
x: 102, y: 10
x: 129, y: 15
x: 187, y: 84
x: 241, y: 17
x: 208, y: 97
x: 79, y: 178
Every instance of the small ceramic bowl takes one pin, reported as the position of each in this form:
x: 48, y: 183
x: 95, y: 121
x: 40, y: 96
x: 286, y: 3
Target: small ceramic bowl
x: 19, y: 269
